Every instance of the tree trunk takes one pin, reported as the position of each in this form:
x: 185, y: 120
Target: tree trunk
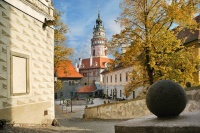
x: 148, y: 67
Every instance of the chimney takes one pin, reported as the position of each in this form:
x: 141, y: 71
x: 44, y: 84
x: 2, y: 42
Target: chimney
x: 80, y: 62
x: 90, y: 60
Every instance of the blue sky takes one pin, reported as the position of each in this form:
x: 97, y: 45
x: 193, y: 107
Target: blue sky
x: 81, y: 15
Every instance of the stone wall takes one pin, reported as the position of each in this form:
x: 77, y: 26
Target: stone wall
x: 118, y: 110
x: 135, y: 108
x: 193, y: 99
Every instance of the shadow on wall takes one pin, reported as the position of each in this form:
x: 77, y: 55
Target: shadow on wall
x: 5, y: 34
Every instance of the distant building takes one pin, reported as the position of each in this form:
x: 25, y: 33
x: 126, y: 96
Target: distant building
x: 70, y: 79
x: 85, y: 91
x: 114, y: 82
x: 92, y: 67
x: 26, y: 61
x: 192, y: 39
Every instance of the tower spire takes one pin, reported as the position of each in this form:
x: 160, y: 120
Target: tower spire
x: 98, y: 20
x: 98, y: 9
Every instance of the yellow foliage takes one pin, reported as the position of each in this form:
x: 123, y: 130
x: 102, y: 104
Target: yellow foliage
x: 58, y: 85
x: 153, y: 49
x: 61, y: 51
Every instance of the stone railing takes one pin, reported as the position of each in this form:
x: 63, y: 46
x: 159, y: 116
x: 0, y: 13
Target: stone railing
x: 193, y: 94
x: 135, y: 108
x: 118, y: 110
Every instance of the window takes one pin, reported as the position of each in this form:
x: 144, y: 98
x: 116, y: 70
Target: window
x: 70, y: 83
x: 107, y: 79
x: 106, y: 52
x: 120, y: 77
x: 88, y: 74
x: 120, y: 93
x: 97, y: 73
x: 20, y: 84
x: 103, y: 79
x: 126, y: 76
x: 93, y: 52
x: 73, y: 83
x: 94, y: 73
x: 84, y: 74
x: 115, y: 78
x: 110, y: 79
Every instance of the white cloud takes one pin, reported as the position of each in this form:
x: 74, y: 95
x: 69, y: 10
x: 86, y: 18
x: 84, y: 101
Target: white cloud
x: 112, y: 28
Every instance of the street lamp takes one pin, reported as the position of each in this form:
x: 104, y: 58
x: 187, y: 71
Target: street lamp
x: 71, y: 100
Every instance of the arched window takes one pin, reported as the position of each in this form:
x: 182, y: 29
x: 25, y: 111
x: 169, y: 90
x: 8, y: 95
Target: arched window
x: 93, y: 52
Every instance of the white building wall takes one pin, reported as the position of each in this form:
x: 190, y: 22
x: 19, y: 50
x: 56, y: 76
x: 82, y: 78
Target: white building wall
x: 22, y: 36
x: 109, y: 85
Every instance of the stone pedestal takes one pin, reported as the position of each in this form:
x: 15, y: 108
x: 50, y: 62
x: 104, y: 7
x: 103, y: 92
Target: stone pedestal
x: 185, y: 123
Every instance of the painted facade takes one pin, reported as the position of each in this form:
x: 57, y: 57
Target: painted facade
x: 26, y: 61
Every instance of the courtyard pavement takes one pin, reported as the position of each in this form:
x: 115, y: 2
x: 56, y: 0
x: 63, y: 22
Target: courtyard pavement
x: 71, y: 122
x: 74, y: 122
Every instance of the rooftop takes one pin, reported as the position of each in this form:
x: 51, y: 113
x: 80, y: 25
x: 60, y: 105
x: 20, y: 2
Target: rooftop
x: 190, y: 35
x: 86, y: 89
x: 97, y: 62
x: 67, y: 70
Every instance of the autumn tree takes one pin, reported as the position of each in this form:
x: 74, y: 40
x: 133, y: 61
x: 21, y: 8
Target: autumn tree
x: 152, y: 47
x: 61, y: 51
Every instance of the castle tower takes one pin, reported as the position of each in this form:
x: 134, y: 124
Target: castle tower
x: 92, y: 67
x: 98, y: 42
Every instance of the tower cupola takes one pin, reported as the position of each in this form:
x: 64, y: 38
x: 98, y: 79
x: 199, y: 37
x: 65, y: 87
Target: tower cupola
x: 98, y: 21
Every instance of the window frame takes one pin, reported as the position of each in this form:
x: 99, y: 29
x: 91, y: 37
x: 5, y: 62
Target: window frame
x: 27, y: 57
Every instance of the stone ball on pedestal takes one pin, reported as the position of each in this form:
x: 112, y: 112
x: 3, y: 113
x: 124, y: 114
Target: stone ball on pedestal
x: 166, y: 98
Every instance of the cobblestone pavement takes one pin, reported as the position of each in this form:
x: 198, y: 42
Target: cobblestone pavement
x: 70, y: 122
x: 73, y: 120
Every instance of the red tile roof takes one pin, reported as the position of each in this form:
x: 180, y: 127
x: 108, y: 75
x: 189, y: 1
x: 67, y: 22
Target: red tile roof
x: 190, y: 35
x: 97, y: 62
x: 86, y: 89
x: 65, y: 69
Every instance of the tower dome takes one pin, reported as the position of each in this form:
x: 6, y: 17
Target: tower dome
x: 98, y: 20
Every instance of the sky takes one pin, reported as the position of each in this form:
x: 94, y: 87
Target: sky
x: 80, y: 17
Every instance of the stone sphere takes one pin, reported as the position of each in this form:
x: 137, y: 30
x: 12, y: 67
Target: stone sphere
x: 166, y: 98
